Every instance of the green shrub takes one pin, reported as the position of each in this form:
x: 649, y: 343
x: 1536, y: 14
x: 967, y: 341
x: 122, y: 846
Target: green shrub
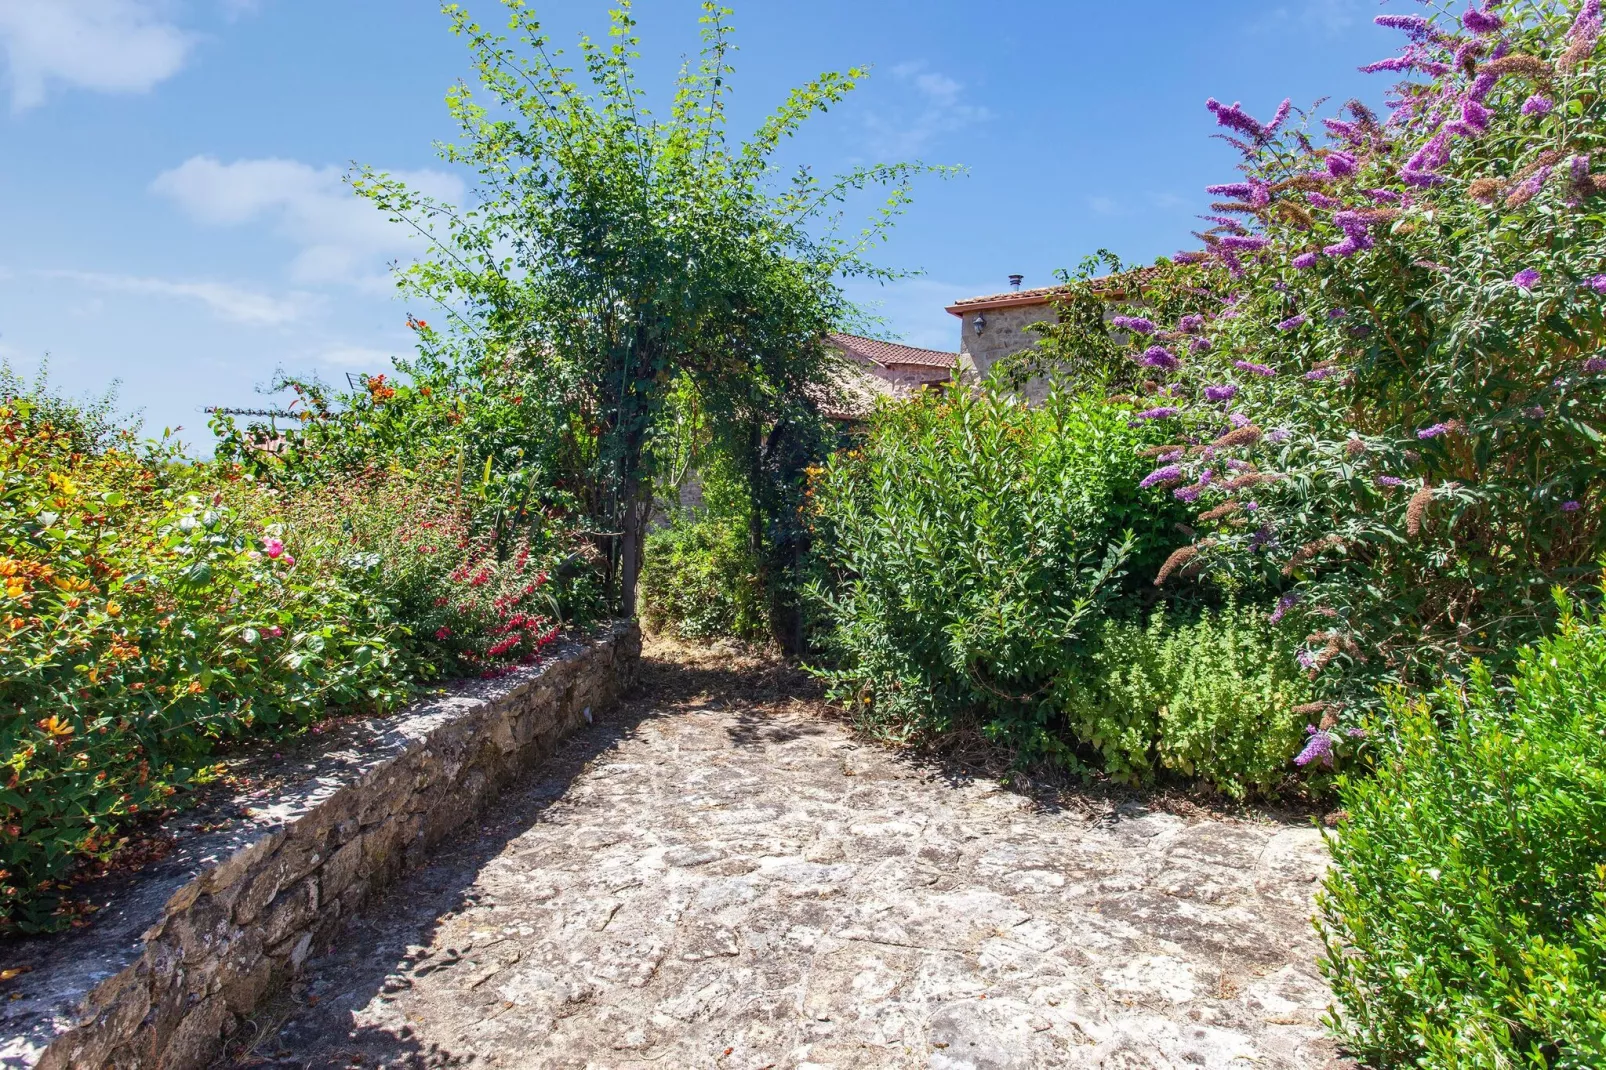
x: 152, y: 607
x: 1214, y: 697
x: 1465, y: 914
x: 969, y: 547
x: 701, y: 581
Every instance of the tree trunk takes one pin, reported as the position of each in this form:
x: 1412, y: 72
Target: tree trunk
x: 633, y: 524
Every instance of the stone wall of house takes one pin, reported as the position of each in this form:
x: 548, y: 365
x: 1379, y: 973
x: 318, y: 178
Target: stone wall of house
x: 1004, y: 335
x: 169, y: 971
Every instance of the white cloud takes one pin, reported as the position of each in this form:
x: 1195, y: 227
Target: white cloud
x: 342, y: 237
x: 937, y: 109
x: 232, y: 303
x: 113, y: 46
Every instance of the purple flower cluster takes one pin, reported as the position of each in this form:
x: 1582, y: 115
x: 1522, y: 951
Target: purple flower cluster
x: 1293, y: 323
x: 1433, y: 431
x: 1169, y: 474
x: 1191, y: 324
x: 1305, y: 260
x: 1421, y: 168
x: 1526, y: 279
x: 1160, y: 357
x: 1390, y: 481
x: 1244, y: 243
x: 1538, y: 104
x: 1316, y: 375
x: 1255, y: 369
x: 1199, y: 345
x: 1320, y: 746
x: 1322, y: 200
x: 1163, y: 412
x: 1225, y: 392
x: 1595, y: 365
x: 1415, y: 27
x: 1481, y: 22
x: 1279, y: 435
x: 1571, y: 507
x: 1337, y: 313
x: 1135, y: 324
x: 1596, y: 283
x: 1233, y: 117
x: 1341, y: 164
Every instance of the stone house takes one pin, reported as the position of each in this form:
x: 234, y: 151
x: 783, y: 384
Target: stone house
x: 882, y: 369
x: 996, y: 326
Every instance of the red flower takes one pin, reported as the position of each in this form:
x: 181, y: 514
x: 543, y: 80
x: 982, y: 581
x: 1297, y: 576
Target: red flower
x: 444, y: 633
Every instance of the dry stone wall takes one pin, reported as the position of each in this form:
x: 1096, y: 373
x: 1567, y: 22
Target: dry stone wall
x: 185, y: 953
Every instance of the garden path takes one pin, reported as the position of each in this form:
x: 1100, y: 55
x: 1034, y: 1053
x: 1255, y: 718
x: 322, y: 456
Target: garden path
x: 718, y: 874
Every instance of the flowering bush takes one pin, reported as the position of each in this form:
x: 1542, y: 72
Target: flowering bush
x: 151, y: 609
x: 1382, y: 379
x: 1465, y: 913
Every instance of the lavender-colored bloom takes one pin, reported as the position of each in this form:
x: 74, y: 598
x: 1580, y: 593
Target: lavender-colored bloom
x: 1482, y: 86
x: 1433, y: 431
x: 1316, y: 375
x: 1474, y: 120
x: 1481, y: 21
x: 1579, y: 166
x: 1337, y: 313
x: 1237, y: 465
x: 1257, y: 369
x: 1587, y: 24
x: 1571, y: 507
x: 1225, y: 392
x: 1233, y: 117
x: 1161, y: 413
x: 1174, y: 455
x: 1235, y: 267
x: 1305, y: 260
x: 1595, y: 365
x: 1306, y: 658
x: 1244, y: 243
x: 1341, y: 164
x: 1395, y: 64
x: 1238, y: 419
x: 1160, y: 357
x: 1199, y: 345
x: 1190, y: 256
x: 1243, y: 191
x: 1252, y: 507
x: 1189, y: 493
x: 1534, y: 412
x: 1415, y: 27
x: 1340, y: 128
x: 1279, y: 435
x: 1390, y: 481
x: 1526, y: 279
x: 1596, y: 283
x: 1191, y: 324
x: 1293, y: 323
x: 1169, y: 474
x: 1318, y: 749
x: 1531, y: 186
x: 1277, y: 119
x: 1322, y: 200
x: 1538, y: 104
x: 1385, y: 196
x: 1284, y: 604
x: 1135, y: 324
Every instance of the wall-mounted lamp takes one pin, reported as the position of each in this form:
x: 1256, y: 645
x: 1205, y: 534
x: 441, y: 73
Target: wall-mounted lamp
x: 979, y: 322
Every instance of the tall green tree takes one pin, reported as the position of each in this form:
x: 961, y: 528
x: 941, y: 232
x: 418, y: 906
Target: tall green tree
x: 631, y: 253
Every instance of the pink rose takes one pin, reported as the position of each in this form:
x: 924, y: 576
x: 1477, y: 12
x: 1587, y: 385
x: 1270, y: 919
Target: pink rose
x: 274, y: 547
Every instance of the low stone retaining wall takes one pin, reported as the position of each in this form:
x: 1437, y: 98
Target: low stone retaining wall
x: 172, y: 964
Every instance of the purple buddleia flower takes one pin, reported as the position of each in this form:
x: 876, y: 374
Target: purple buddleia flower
x: 1284, y: 604
x: 1341, y: 164
x: 1252, y: 506
x: 1478, y: 21
x: 1433, y: 431
x: 1538, y: 104
x: 1316, y: 375
x: 1190, y: 256
x: 1240, y: 190
x: 1322, y: 200
x: 1415, y: 27
x: 1579, y: 167
x: 1305, y: 260
x: 1307, y: 658
x: 1278, y: 118
x: 1318, y: 749
x: 1385, y: 196
x: 1571, y: 507
x: 1526, y: 279
x: 1238, y: 420
x: 1279, y: 435
x: 1233, y: 117
x: 1256, y: 369
x: 1189, y: 493
x: 1135, y: 324
x: 1237, y: 465
x: 1161, y: 413
x: 1337, y: 313
x: 1235, y: 267
x: 1596, y: 283
x: 1346, y: 130
x: 1242, y: 243
x: 1191, y: 324
x: 1587, y: 24
x: 1225, y: 392
x: 1169, y: 474
x: 1293, y: 323
x: 1394, y: 64
x: 1474, y: 120
x: 1433, y: 154
x: 1532, y: 184
x: 1595, y: 365
x: 1390, y: 481
x: 1160, y: 357
x: 1199, y: 345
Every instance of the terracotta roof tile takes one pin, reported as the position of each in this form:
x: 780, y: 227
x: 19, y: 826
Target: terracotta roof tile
x: 1042, y: 294
x: 871, y: 351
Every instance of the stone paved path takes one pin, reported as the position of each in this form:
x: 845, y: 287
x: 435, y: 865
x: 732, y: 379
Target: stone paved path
x: 717, y: 875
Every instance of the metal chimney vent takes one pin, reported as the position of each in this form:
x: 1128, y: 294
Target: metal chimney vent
x: 1015, y: 281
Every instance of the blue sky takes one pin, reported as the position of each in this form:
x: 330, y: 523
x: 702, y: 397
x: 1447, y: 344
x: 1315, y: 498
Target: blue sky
x: 172, y: 213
